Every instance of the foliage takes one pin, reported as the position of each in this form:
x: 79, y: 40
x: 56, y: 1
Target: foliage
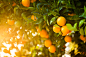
x: 46, y: 12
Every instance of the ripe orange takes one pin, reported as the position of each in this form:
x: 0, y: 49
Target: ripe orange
x: 61, y: 21
x: 43, y: 33
x: 26, y: 3
x: 82, y: 38
x: 33, y: 18
x: 14, y: 4
x: 33, y: 1
x: 10, y: 22
x: 56, y: 29
x: 52, y: 48
x: 47, y: 43
x: 72, y: 14
x: 68, y: 39
x: 65, y: 30
x: 47, y: 36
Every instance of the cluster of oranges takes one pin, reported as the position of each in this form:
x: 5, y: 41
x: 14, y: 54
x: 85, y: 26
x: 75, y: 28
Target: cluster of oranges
x: 61, y: 21
x: 26, y: 3
x: 51, y: 47
x: 43, y: 33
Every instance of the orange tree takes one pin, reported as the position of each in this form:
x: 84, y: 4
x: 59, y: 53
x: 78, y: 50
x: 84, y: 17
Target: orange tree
x: 18, y: 26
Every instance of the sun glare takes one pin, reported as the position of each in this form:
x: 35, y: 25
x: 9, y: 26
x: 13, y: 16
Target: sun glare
x: 7, y: 45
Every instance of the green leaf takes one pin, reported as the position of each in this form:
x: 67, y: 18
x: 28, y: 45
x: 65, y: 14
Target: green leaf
x: 85, y: 30
x: 75, y: 25
x: 15, y: 10
x: 54, y: 13
x: 41, y: 49
x: 74, y: 28
x: 81, y: 22
x: 41, y: 24
x: 45, y: 17
x: 69, y: 26
x: 48, y: 23
x: 24, y: 17
x: 37, y: 47
x: 84, y: 9
x: 34, y: 54
x: 81, y: 31
x: 53, y: 19
x: 38, y: 5
x: 49, y: 13
x: 84, y: 13
x: 29, y: 8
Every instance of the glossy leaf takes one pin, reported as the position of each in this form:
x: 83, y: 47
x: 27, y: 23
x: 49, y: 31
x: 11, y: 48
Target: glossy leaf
x: 15, y: 10
x: 45, y: 17
x: 81, y: 31
x: 48, y: 22
x: 29, y: 8
x: 84, y: 13
x: 81, y: 22
x: 69, y: 26
x: 38, y: 5
x: 85, y: 30
x: 24, y: 17
x: 75, y: 25
x: 53, y: 19
x: 40, y: 25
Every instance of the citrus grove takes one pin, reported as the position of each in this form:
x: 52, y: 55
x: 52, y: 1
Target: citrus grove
x: 42, y: 28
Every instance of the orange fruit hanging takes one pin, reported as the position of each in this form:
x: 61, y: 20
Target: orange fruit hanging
x: 65, y: 30
x: 61, y: 21
x: 47, y: 43
x: 38, y: 30
x: 10, y: 22
x: 14, y: 4
x: 47, y: 36
x: 33, y: 1
x: 52, y: 49
x: 72, y: 14
x: 43, y: 33
x: 82, y: 38
x: 56, y: 29
x: 26, y: 3
x: 68, y: 39
x: 33, y: 18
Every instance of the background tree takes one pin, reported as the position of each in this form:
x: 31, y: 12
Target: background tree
x: 45, y: 28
